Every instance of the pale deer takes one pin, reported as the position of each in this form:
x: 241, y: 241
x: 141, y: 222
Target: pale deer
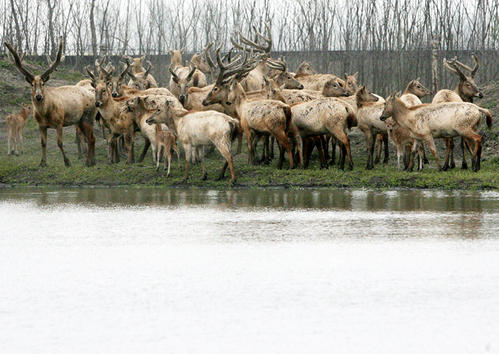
x: 57, y: 107
x: 426, y: 122
x: 167, y: 142
x: 196, y: 130
x: 183, y: 77
x: 465, y: 91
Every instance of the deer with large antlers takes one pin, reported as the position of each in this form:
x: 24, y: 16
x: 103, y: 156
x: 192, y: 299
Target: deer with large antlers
x: 260, y: 117
x: 254, y: 80
x: 465, y: 91
x: 57, y: 107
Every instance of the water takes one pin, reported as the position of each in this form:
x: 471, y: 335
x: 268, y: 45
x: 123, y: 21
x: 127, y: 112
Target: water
x: 195, y: 271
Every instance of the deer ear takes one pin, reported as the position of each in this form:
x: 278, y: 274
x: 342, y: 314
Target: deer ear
x: 182, y: 50
x: 356, y: 75
x: 142, y: 58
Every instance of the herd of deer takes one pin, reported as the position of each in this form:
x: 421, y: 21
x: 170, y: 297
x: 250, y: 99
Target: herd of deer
x: 252, y: 95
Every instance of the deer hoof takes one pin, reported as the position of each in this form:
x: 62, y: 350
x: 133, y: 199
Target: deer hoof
x: 43, y: 164
x: 464, y: 166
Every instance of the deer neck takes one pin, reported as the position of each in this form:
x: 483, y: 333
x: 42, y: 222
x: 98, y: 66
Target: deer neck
x: 400, y: 114
x: 459, y: 91
x: 24, y: 114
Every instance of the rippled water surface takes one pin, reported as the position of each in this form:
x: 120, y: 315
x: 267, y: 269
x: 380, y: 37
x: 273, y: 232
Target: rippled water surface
x: 248, y: 271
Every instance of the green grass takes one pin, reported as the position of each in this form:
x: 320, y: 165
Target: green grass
x: 24, y: 170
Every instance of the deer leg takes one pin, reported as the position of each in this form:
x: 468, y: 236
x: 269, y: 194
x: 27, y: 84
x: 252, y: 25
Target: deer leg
x: 61, y: 147
x: 325, y: 145
x: 452, y: 161
x: 345, y: 141
x: 265, y: 149
x: 21, y: 141
x: 399, y: 154
x: 283, y: 140
x: 333, y: 151
x: 9, y: 138
x: 385, y: 143
x: 370, y: 141
x: 87, y: 129
x: 159, y: 150
x: 306, y: 151
x: 272, y: 142
x: 147, y: 143
x: 320, y: 149
x: 205, y: 172
x: 187, y: 150
x: 433, y: 149
x: 379, y: 140
x: 239, y: 142
x: 169, y: 156
x: 464, y: 164
x: 225, y: 152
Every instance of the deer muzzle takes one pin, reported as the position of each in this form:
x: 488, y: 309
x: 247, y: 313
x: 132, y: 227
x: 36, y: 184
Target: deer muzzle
x: 39, y: 97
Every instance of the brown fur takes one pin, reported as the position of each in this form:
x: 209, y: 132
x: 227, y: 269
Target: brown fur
x: 15, y: 125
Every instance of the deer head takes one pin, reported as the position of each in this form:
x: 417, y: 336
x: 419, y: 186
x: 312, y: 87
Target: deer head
x: 467, y: 87
x: 116, y: 83
x: 416, y: 88
x: 351, y: 83
x: 304, y: 69
x: 334, y: 88
x: 236, y: 70
x: 37, y: 82
x: 283, y: 76
x: 364, y: 96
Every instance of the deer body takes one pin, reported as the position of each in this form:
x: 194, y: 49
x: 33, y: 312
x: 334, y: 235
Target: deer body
x: 444, y: 120
x: 198, y: 129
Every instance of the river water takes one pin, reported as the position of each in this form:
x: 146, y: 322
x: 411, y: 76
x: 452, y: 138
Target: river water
x: 248, y: 271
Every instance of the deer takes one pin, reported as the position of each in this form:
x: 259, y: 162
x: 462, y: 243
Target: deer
x: 196, y: 130
x: 167, y: 142
x: 183, y: 77
x: 260, y: 117
x: 283, y: 77
x: 465, y: 91
x: 57, y: 107
x: 313, y: 81
x: 139, y: 72
x: 15, y: 126
x: 202, y: 63
x: 142, y: 80
x: 426, y: 122
x: 411, y: 96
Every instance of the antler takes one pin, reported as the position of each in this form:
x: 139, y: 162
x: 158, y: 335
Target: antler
x: 278, y: 64
x: 125, y: 70
x: 466, y: 67
x: 174, y: 76
x: 46, y: 75
x: 18, y: 63
x: 458, y: 71
x: 260, y: 48
x: 193, y: 70
x: 149, y: 67
x: 226, y: 71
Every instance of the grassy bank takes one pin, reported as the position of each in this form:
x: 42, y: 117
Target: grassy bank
x: 24, y: 170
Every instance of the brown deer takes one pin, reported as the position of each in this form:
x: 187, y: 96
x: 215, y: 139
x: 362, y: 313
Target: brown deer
x: 15, y: 126
x: 283, y: 77
x: 465, y: 91
x: 57, y: 107
x: 167, y: 142
x: 202, y: 63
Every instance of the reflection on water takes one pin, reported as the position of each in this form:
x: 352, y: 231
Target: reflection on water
x: 248, y: 271
x: 404, y: 200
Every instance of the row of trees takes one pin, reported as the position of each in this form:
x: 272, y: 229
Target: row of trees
x: 95, y: 27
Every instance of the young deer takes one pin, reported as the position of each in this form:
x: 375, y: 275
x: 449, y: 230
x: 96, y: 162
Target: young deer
x: 15, y: 126
x: 167, y: 142
x: 57, y: 107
